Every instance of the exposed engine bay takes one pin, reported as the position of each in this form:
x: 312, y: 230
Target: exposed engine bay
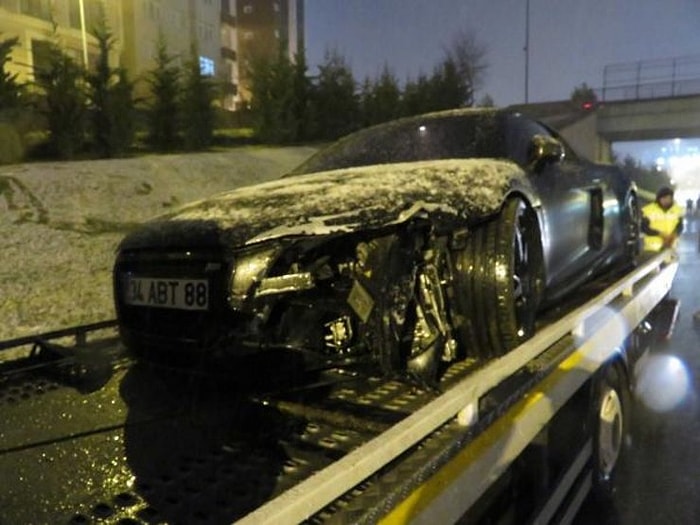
x: 385, y: 296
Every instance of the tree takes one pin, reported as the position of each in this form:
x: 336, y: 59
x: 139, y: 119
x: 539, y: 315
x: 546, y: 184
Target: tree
x: 381, y: 100
x: 197, y: 108
x: 468, y: 58
x: 61, y: 81
x: 648, y: 179
x: 584, y: 97
x: 123, y: 122
x: 302, y: 99
x: 10, y: 90
x: 417, y: 96
x: 163, y: 112
x: 110, y: 94
x: 454, y: 81
x: 335, y: 105
x: 486, y: 101
x: 448, y: 89
x: 273, y: 98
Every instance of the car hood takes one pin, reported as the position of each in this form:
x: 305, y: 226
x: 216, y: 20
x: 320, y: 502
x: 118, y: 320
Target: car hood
x: 342, y: 200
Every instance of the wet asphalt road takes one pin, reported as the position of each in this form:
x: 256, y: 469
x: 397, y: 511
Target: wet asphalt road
x: 659, y: 479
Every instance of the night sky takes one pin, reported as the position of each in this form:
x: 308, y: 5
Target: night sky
x: 570, y: 40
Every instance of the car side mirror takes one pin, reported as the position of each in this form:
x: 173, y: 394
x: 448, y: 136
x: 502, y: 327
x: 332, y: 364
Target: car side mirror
x: 544, y: 149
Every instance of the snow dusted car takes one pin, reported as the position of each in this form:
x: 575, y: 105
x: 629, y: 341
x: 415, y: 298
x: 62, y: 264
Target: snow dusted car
x: 412, y: 244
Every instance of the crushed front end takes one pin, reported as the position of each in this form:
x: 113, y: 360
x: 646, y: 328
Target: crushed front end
x: 377, y: 297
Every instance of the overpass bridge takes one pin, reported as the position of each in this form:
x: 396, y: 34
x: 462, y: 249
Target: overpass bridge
x: 664, y: 118
x: 592, y: 131
x: 645, y: 100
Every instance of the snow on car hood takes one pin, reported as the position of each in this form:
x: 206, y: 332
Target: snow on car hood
x: 346, y: 199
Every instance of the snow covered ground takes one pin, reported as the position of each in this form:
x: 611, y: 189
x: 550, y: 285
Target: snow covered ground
x: 61, y: 222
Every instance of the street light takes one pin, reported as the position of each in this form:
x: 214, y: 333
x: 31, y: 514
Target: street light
x: 82, y: 31
x: 527, y: 48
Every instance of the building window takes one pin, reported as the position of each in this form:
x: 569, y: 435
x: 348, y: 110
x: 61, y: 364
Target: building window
x: 10, y: 5
x: 205, y: 32
x: 41, y: 56
x: 94, y: 13
x: 247, y: 35
x: 154, y: 10
x: 206, y: 67
x: 180, y: 20
x: 276, y: 7
x: 247, y: 9
x: 36, y: 8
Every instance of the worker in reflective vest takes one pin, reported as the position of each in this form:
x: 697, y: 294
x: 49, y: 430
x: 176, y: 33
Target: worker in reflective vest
x: 662, y: 221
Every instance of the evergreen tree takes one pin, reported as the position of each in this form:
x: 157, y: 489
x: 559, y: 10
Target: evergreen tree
x: 110, y: 96
x: 123, y: 118
x: 486, y: 101
x: 383, y: 100
x: 273, y: 102
x: 647, y: 178
x: 163, y: 112
x: 467, y: 56
x: 302, y: 110
x: 449, y: 90
x: 583, y: 97
x: 336, y: 107
x: 261, y: 103
x: 197, y: 108
x: 366, y: 102
x: 10, y: 90
x: 417, y: 96
x: 61, y: 82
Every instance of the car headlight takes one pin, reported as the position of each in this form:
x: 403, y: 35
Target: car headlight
x: 248, y: 270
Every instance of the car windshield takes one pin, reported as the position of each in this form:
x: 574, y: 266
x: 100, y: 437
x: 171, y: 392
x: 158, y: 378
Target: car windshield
x: 460, y: 134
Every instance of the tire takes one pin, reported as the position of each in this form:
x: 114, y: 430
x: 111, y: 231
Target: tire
x: 610, y: 425
x: 499, y: 282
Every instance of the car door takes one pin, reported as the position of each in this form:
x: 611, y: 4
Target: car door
x: 571, y: 205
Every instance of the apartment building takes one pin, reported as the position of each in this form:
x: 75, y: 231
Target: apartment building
x: 262, y: 26
x: 185, y: 26
x: 67, y: 23
x: 225, y: 34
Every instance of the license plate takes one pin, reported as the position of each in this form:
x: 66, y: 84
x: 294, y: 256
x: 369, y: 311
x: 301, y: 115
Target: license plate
x: 182, y: 294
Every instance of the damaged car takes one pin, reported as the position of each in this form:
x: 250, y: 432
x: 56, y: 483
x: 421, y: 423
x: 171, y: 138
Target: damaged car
x: 410, y: 244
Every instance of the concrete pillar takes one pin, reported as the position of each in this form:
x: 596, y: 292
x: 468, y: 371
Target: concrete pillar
x: 603, y: 150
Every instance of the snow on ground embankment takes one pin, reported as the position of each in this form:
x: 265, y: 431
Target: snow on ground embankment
x: 61, y: 222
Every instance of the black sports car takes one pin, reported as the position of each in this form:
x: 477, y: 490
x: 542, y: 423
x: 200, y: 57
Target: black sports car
x: 413, y: 243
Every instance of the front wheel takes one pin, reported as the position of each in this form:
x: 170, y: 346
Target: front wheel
x: 499, y: 277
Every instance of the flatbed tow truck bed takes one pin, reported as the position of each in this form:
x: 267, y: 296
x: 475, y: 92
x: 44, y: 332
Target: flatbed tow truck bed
x: 89, y: 436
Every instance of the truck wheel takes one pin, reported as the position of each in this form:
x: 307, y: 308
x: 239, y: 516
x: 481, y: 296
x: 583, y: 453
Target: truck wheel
x: 609, y: 428
x: 499, y: 281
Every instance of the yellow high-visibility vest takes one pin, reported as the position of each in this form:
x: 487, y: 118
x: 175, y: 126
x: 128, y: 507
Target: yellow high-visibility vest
x: 663, y: 221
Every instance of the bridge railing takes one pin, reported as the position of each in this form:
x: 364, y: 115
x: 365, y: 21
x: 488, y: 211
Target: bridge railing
x: 673, y: 77
x: 677, y: 88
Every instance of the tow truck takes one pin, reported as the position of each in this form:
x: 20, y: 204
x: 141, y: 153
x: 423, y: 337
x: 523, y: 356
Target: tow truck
x: 90, y: 436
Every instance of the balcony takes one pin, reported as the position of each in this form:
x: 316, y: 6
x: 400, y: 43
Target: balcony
x: 228, y: 53
x: 228, y: 19
x: 229, y: 88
